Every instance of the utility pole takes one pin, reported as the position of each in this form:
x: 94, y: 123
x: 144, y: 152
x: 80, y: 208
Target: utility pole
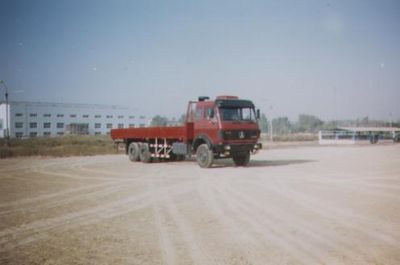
x: 271, y: 130
x: 335, y: 107
x: 7, y: 134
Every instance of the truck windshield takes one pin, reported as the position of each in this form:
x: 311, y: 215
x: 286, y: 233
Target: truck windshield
x: 237, y: 114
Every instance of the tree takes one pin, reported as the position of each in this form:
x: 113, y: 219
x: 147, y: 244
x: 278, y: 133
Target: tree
x: 182, y: 119
x: 330, y: 125
x: 281, y: 125
x: 159, y: 121
x: 365, y: 121
x: 263, y: 123
x: 308, y: 123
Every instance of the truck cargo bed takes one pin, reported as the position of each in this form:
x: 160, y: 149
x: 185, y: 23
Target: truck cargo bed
x: 176, y: 132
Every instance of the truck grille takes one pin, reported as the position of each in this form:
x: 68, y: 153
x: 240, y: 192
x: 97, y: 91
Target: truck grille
x: 240, y: 134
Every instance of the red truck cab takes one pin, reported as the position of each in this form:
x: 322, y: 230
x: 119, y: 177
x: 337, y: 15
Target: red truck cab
x: 224, y: 128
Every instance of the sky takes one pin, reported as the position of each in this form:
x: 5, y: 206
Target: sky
x: 332, y: 59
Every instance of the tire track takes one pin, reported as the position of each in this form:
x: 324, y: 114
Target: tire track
x: 243, y: 243
x: 268, y: 230
x: 35, y: 230
x: 166, y: 245
x: 328, y: 183
x: 192, y: 244
x: 322, y: 240
x: 39, y: 205
x: 339, y: 215
x: 39, y: 198
x: 46, y: 224
x: 49, y: 171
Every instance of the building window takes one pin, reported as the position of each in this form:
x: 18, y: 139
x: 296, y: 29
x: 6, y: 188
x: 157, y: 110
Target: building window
x: 46, y: 125
x: 97, y: 116
x: 85, y: 116
x: 19, y: 125
x: 143, y: 117
x: 60, y: 133
x: 109, y: 116
x: 46, y: 133
x: 131, y: 117
x: 120, y: 117
x: 60, y: 115
x: 142, y: 125
x: 18, y: 114
x: 131, y: 125
x: 77, y: 128
x: 33, y: 125
x: 32, y: 134
x: 32, y: 114
x: 47, y: 115
x: 120, y: 125
x: 109, y: 125
x: 97, y: 133
x: 60, y: 125
x: 97, y: 125
x: 19, y: 134
x: 72, y: 116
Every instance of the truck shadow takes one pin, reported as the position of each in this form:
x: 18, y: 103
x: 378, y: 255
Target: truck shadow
x: 261, y: 163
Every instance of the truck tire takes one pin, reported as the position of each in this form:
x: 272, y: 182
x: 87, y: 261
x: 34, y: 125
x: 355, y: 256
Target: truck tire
x: 145, y: 155
x: 204, y: 156
x: 242, y: 159
x: 134, y: 152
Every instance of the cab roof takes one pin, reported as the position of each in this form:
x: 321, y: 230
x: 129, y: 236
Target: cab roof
x: 226, y: 101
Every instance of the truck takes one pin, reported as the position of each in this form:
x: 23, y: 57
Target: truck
x: 226, y: 127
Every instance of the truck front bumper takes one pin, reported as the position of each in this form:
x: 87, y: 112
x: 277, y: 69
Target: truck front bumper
x: 237, y: 148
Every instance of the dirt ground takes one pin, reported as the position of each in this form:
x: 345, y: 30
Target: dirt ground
x: 309, y: 205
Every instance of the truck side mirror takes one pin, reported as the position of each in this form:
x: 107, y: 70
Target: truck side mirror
x: 258, y: 114
x: 210, y: 113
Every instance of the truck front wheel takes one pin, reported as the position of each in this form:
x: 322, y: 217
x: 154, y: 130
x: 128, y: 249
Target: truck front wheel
x: 241, y: 159
x: 134, y: 151
x: 145, y: 155
x: 204, y: 156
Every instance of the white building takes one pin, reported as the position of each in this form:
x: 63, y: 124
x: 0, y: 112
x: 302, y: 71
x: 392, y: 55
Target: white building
x: 30, y: 119
x: 352, y: 135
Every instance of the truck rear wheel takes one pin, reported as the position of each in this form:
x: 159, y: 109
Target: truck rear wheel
x: 241, y: 159
x: 145, y: 155
x: 204, y: 156
x: 134, y: 151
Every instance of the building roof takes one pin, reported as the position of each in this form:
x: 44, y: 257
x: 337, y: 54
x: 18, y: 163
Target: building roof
x: 68, y: 105
x: 369, y: 129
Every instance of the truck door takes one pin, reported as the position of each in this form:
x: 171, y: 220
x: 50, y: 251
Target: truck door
x: 205, y: 122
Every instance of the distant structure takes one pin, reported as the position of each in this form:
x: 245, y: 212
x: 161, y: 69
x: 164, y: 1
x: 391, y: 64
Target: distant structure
x: 352, y: 135
x: 2, y: 125
x: 31, y: 119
